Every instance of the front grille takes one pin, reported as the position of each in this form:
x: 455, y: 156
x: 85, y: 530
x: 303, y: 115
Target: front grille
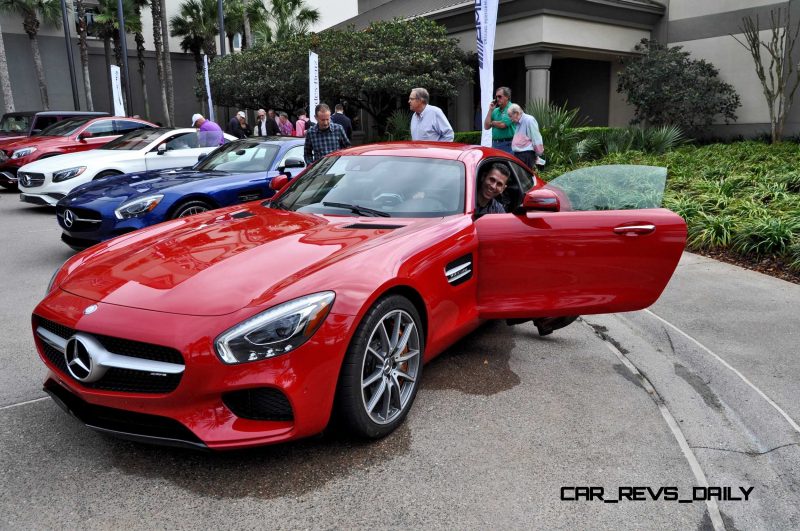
x: 148, y: 428
x: 115, y: 379
x: 261, y: 403
x: 30, y: 180
x: 82, y: 219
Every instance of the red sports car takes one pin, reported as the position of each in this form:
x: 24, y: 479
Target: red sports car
x: 253, y: 324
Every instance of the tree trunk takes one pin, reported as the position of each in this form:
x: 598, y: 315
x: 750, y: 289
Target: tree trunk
x: 107, y: 53
x: 84, y: 49
x: 142, y: 74
x: 230, y: 41
x: 37, y: 64
x: 248, y: 34
x: 159, y: 46
x: 5, y: 80
x: 167, y: 63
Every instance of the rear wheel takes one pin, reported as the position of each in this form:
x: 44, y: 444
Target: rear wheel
x: 382, y: 368
x: 190, y: 208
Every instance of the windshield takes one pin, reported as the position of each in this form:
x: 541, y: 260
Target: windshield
x: 240, y: 157
x: 134, y: 140
x: 15, y: 124
x: 402, y: 187
x: 617, y: 187
x: 65, y: 127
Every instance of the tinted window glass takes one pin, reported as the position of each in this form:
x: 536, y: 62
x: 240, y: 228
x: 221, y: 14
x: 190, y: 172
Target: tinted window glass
x: 241, y: 157
x: 65, y: 127
x: 15, y: 124
x: 182, y: 141
x: 398, y: 186
x: 103, y: 128
x: 43, y: 122
x: 125, y: 126
x: 138, y: 139
x: 618, y: 187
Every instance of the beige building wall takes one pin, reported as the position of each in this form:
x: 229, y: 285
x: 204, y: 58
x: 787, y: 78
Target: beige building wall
x: 680, y: 9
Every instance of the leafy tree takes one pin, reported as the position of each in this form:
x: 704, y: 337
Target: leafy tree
x: 667, y: 87
x: 107, y: 28
x: 33, y: 13
x: 234, y: 20
x: 781, y: 78
x: 196, y: 23
x: 371, y: 69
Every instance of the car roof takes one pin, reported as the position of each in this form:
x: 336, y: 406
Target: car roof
x: 56, y: 113
x: 434, y: 150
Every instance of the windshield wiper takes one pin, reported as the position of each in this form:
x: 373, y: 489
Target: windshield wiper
x: 355, y: 209
x: 278, y: 204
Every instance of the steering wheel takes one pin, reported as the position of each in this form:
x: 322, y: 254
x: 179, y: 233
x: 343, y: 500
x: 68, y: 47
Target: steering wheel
x: 388, y: 199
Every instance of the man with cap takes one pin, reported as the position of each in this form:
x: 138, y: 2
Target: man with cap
x: 238, y: 126
x: 209, y: 134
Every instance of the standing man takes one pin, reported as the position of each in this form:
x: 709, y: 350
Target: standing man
x: 428, y: 121
x: 498, y: 121
x: 340, y: 118
x: 261, y: 123
x: 273, y: 128
x: 527, y: 142
x: 238, y: 126
x: 285, y: 125
x: 323, y: 137
x: 209, y: 134
x: 302, y: 123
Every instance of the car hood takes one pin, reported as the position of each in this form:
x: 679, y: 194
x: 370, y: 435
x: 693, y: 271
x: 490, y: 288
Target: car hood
x: 124, y: 187
x: 83, y: 158
x: 222, y: 261
x: 37, y: 141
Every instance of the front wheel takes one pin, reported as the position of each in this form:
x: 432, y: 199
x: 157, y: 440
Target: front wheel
x: 382, y: 368
x: 191, y: 208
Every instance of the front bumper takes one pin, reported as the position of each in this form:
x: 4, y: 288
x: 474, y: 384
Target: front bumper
x: 211, y: 405
x: 91, y: 226
x: 8, y: 177
x: 41, y: 199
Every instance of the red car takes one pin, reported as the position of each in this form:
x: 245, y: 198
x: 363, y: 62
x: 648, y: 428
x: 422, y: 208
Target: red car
x: 66, y: 136
x: 252, y: 324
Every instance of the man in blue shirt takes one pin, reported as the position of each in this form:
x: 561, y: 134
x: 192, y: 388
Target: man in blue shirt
x: 428, y: 121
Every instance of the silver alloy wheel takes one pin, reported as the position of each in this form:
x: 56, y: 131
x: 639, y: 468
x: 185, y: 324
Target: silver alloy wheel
x: 197, y: 209
x: 390, y: 367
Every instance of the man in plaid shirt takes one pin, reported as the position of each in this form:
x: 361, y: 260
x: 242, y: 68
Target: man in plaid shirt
x: 324, y: 136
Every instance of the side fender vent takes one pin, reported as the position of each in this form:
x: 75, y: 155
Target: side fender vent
x: 459, y: 270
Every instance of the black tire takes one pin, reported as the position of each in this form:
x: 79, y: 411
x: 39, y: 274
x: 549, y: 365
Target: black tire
x: 391, y: 398
x: 107, y: 173
x: 190, y: 208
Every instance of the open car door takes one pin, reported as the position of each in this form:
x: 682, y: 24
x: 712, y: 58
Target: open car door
x: 594, y: 240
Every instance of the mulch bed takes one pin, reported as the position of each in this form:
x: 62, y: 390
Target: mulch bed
x: 774, y: 267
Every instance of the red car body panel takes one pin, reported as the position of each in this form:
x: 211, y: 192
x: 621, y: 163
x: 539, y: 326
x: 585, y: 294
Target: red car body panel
x: 182, y: 283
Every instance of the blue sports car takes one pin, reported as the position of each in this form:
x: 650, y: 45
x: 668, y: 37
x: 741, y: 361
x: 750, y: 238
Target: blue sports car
x: 234, y: 173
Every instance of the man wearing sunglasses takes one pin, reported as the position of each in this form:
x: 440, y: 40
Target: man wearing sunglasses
x: 498, y: 121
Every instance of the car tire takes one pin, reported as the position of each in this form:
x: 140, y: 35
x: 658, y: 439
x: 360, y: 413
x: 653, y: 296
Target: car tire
x: 191, y: 208
x: 107, y: 173
x: 376, y: 391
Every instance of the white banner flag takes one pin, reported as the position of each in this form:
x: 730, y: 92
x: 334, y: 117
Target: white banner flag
x: 208, y: 89
x: 485, y: 23
x: 116, y: 90
x: 313, y: 84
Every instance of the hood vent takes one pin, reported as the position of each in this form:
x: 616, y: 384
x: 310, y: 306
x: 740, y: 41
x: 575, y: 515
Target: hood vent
x: 374, y: 226
x: 243, y: 214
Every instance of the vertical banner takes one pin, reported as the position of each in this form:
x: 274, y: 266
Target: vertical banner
x: 485, y: 23
x: 116, y: 90
x: 208, y: 89
x: 313, y: 84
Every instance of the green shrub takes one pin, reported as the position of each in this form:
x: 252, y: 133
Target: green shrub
x: 768, y: 235
x: 398, y: 126
x: 711, y: 231
x: 794, y: 256
x: 558, y: 127
x: 468, y: 137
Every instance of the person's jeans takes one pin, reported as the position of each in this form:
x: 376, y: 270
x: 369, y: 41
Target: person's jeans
x: 503, y: 145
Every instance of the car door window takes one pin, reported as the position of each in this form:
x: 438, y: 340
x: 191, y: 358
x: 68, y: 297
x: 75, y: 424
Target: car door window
x: 617, y: 187
x: 182, y: 141
x: 44, y: 121
x: 524, y: 177
x: 294, y: 153
x: 126, y: 126
x: 104, y: 128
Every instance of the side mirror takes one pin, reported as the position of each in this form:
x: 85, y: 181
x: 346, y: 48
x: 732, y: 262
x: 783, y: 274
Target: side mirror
x: 278, y: 182
x: 294, y: 163
x: 35, y: 132
x: 541, y: 199
x: 202, y: 156
x: 85, y: 135
x: 161, y: 149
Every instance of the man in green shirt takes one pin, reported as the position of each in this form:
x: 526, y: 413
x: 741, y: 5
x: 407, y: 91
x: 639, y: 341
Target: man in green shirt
x: 498, y: 121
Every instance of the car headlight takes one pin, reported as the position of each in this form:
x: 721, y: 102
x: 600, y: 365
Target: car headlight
x: 69, y: 173
x: 275, y: 331
x: 24, y: 152
x: 138, y: 207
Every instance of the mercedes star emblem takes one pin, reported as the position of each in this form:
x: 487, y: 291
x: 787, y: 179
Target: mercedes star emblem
x: 90, y: 309
x: 80, y: 362
x: 69, y: 218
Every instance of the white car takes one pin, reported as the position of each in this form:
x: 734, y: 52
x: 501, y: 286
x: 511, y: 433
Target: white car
x: 45, y: 181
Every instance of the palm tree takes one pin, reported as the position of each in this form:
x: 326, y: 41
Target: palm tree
x: 167, y: 60
x: 31, y: 11
x: 254, y: 14
x: 5, y: 79
x: 290, y: 17
x: 158, y: 44
x: 84, y: 49
x: 196, y: 23
x: 107, y: 25
x: 139, y: 39
x: 234, y: 20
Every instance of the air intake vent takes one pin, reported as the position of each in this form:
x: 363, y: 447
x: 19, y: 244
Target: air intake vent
x: 260, y: 403
x: 243, y: 214
x: 373, y: 226
x: 459, y: 271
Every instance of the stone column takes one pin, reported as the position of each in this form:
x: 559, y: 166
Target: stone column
x: 537, y: 77
x: 464, y: 113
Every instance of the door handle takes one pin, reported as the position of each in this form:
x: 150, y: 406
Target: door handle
x: 634, y: 230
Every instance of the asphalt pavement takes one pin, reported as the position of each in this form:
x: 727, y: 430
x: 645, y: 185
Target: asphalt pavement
x: 699, y: 391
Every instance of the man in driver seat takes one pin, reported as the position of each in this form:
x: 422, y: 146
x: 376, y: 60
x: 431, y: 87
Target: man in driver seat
x: 491, y: 186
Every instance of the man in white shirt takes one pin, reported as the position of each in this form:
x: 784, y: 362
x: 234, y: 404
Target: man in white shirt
x: 428, y: 121
x: 260, y: 128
